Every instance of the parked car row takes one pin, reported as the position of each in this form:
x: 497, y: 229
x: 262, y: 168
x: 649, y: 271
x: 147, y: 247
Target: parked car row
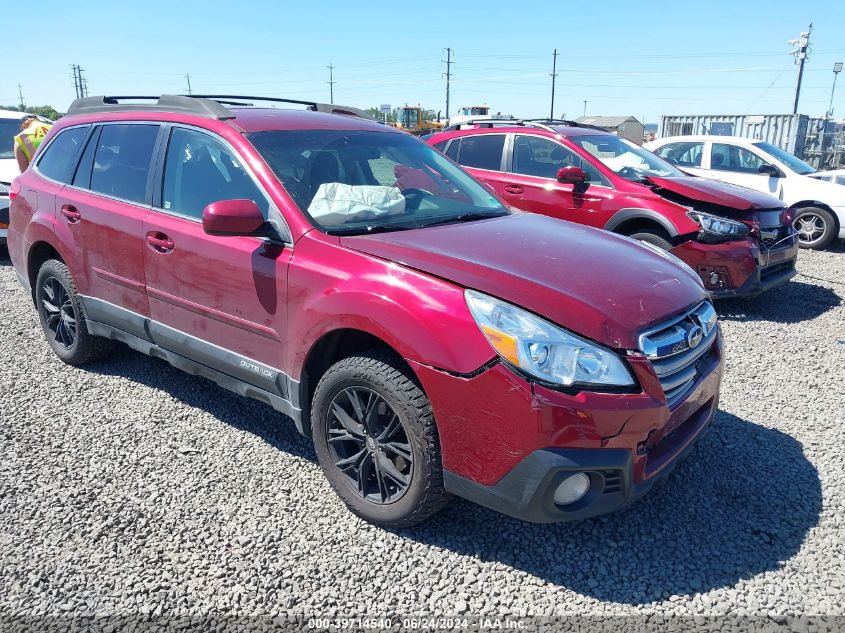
x: 431, y: 340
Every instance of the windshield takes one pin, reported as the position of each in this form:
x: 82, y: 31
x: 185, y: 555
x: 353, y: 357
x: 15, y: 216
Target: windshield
x: 630, y: 161
x: 795, y: 164
x: 352, y: 181
x: 9, y: 128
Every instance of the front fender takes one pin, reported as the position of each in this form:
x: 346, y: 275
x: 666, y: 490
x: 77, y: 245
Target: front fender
x: 422, y: 317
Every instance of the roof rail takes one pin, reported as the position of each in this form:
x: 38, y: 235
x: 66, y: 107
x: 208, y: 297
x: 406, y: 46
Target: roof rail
x: 488, y: 122
x: 163, y: 103
x: 566, y: 122
x: 543, y: 124
x: 212, y: 106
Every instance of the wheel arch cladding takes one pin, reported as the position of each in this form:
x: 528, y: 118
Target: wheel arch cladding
x: 627, y: 221
x: 332, y: 347
x: 39, y: 253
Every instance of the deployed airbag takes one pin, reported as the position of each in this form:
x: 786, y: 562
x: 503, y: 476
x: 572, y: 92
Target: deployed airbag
x: 337, y: 198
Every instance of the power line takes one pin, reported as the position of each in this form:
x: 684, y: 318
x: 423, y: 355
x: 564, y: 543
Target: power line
x: 449, y: 63
x: 331, y: 83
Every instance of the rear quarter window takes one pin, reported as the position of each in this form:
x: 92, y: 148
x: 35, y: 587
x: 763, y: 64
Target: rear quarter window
x: 60, y: 154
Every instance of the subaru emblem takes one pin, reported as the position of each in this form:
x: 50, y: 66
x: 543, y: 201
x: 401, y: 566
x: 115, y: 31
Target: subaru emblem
x: 694, y: 336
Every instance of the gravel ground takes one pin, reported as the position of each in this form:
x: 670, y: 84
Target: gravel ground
x: 128, y: 487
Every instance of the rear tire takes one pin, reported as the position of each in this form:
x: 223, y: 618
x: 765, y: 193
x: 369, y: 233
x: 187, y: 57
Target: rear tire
x: 816, y: 227
x: 653, y: 238
x: 60, y: 313
x: 377, y: 442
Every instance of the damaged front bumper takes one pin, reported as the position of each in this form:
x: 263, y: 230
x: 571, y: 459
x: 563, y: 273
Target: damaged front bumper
x: 507, y: 444
x: 740, y: 268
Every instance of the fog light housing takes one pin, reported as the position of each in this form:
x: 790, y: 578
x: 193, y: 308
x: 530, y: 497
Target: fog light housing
x: 572, y: 489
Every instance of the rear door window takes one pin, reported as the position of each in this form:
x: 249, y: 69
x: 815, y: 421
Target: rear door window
x: 58, y: 157
x: 122, y: 161
x: 199, y: 170
x: 483, y: 151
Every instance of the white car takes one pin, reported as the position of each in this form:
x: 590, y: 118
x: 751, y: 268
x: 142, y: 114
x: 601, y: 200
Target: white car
x: 10, y: 125
x: 833, y: 175
x: 819, y: 205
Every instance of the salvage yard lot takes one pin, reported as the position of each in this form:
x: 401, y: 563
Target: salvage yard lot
x: 128, y: 486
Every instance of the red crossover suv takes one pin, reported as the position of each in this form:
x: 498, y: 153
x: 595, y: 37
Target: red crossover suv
x: 739, y: 241
x: 357, y: 281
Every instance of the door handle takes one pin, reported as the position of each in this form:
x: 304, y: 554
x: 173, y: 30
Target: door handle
x: 514, y: 189
x: 159, y: 242
x: 71, y: 214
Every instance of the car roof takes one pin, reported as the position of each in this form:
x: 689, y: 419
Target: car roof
x: 13, y: 114
x: 211, y: 112
x: 252, y: 119
x: 562, y: 130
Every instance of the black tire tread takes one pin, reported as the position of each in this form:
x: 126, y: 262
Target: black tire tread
x: 89, y: 348
x: 392, y: 369
x: 660, y: 239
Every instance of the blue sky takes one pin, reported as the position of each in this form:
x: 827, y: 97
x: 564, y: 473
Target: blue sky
x: 621, y: 57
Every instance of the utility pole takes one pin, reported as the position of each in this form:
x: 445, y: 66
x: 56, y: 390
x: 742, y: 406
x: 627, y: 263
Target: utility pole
x: 554, y: 74
x: 803, y: 43
x: 20, y: 95
x: 75, y: 80
x: 585, y: 107
x: 449, y: 63
x: 331, y: 83
x: 188, y: 77
x: 84, y: 84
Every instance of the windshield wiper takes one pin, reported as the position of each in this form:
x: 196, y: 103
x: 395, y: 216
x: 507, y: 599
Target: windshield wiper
x: 369, y: 230
x: 464, y: 217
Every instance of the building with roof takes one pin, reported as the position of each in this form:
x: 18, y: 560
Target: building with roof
x: 625, y: 126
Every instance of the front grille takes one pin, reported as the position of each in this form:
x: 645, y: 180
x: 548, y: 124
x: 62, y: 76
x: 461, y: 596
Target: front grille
x: 676, y: 348
x: 775, y: 270
x: 775, y: 237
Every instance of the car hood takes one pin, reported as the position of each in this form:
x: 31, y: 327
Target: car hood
x: 714, y: 192
x: 597, y: 284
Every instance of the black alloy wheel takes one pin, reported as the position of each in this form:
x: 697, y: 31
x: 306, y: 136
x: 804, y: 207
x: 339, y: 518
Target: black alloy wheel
x: 58, y: 313
x: 369, y: 445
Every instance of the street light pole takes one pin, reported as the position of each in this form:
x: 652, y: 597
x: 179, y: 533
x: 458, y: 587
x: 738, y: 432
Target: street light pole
x: 837, y: 68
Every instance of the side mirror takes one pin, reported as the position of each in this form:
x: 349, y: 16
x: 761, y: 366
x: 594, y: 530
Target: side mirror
x: 571, y: 174
x: 770, y: 169
x: 232, y: 217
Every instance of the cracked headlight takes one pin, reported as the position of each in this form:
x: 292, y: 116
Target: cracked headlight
x: 719, y: 226
x: 544, y: 350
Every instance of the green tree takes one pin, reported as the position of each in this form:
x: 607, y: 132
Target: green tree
x: 48, y: 111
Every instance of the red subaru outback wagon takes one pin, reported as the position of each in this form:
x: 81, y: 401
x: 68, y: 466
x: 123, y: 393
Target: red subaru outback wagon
x: 357, y: 281
x: 739, y: 241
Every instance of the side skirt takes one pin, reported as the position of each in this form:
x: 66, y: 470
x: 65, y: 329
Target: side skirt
x: 197, y: 369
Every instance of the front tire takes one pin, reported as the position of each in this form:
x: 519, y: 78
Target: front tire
x: 377, y: 442
x: 653, y: 238
x: 62, y: 320
x: 816, y: 227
